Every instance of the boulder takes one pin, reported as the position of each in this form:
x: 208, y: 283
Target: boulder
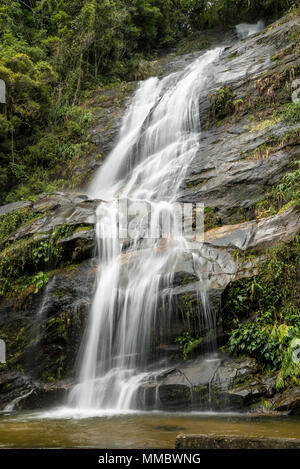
x: 288, y: 402
x: 208, y: 383
x: 175, y: 391
x: 13, y: 385
x: 216, y: 441
x: 259, y: 235
x: 24, y: 393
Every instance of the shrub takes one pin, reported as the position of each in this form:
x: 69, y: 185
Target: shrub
x: 223, y: 103
x: 14, y: 220
x: 269, y: 301
x: 291, y: 113
x: 187, y: 344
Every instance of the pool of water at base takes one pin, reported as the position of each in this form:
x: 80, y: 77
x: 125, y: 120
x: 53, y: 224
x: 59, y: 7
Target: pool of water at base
x: 65, y: 428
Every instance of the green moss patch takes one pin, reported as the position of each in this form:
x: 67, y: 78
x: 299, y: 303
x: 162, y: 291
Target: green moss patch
x: 11, y: 221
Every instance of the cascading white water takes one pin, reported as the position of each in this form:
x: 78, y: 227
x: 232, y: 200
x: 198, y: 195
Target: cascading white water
x: 158, y: 140
x: 245, y: 29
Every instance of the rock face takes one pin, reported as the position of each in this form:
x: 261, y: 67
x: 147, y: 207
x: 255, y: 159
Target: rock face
x: 259, y: 235
x: 55, y: 210
x: 215, y: 383
x: 237, y: 163
x: 22, y: 392
x: 289, y: 401
x: 43, y: 329
x: 216, y: 268
x: 108, y: 105
x: 44, y: 334
x: 240, y: 160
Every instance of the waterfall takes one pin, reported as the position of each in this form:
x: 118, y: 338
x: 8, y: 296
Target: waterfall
x: 158, y: 140
x: 245, y: 30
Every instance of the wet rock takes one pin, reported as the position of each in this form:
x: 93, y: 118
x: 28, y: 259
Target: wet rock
x: 232, y: 236
x: 233, y: 371
x: 282, y: 227
x: 288, y: 402
x: 19, y: 391
x: 241, y: 397
x: 238, y: 384
x: 211, y: 383
x: 44, y: 333
x: 44, y: 396
x: 259, y: 235
x: 60, y: 210
x: 13, y: 207
x: 269, y: 384
x: 50, y: 202
x: 201, y: 371
x: 236, y: 186
x: 146, y: 398
x: 175, y: 391
x: 109, y: 107
x: 79, y: 246
x: 13, y: 385
x: 226, y: 393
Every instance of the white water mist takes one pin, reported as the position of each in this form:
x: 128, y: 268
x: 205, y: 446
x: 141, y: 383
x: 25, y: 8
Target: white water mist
x: 158, y: 140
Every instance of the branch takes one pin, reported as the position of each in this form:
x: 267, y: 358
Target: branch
x: 27, y: 6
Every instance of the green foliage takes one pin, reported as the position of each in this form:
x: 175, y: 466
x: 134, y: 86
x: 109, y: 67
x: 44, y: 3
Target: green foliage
x: 24, y: 264
x: 271, y: 289
x: 52, y: 51
x: 41, y: 253
x: 283, y: 195
x: 270, y: 299
x: 291, y: 113
x: 289, y: 367
x: 211, y: 219
x: 14, y: 220
x: 213, y: 13
x: 267, y: 342
x: 63, y: 231
x: 289, y: 189
x: 223, y: 103
x: 18, y: 266
x: 39, y: 281
x: 187, y: 344
x: 50, y: 156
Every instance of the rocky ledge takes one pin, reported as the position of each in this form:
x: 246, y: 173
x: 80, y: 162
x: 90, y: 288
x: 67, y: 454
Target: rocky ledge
x: 217, y: 383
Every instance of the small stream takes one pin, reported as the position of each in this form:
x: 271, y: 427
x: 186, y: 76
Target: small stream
x: 154, y: 430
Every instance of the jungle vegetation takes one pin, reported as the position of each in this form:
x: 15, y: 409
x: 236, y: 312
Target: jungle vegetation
x: 53, y: 52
